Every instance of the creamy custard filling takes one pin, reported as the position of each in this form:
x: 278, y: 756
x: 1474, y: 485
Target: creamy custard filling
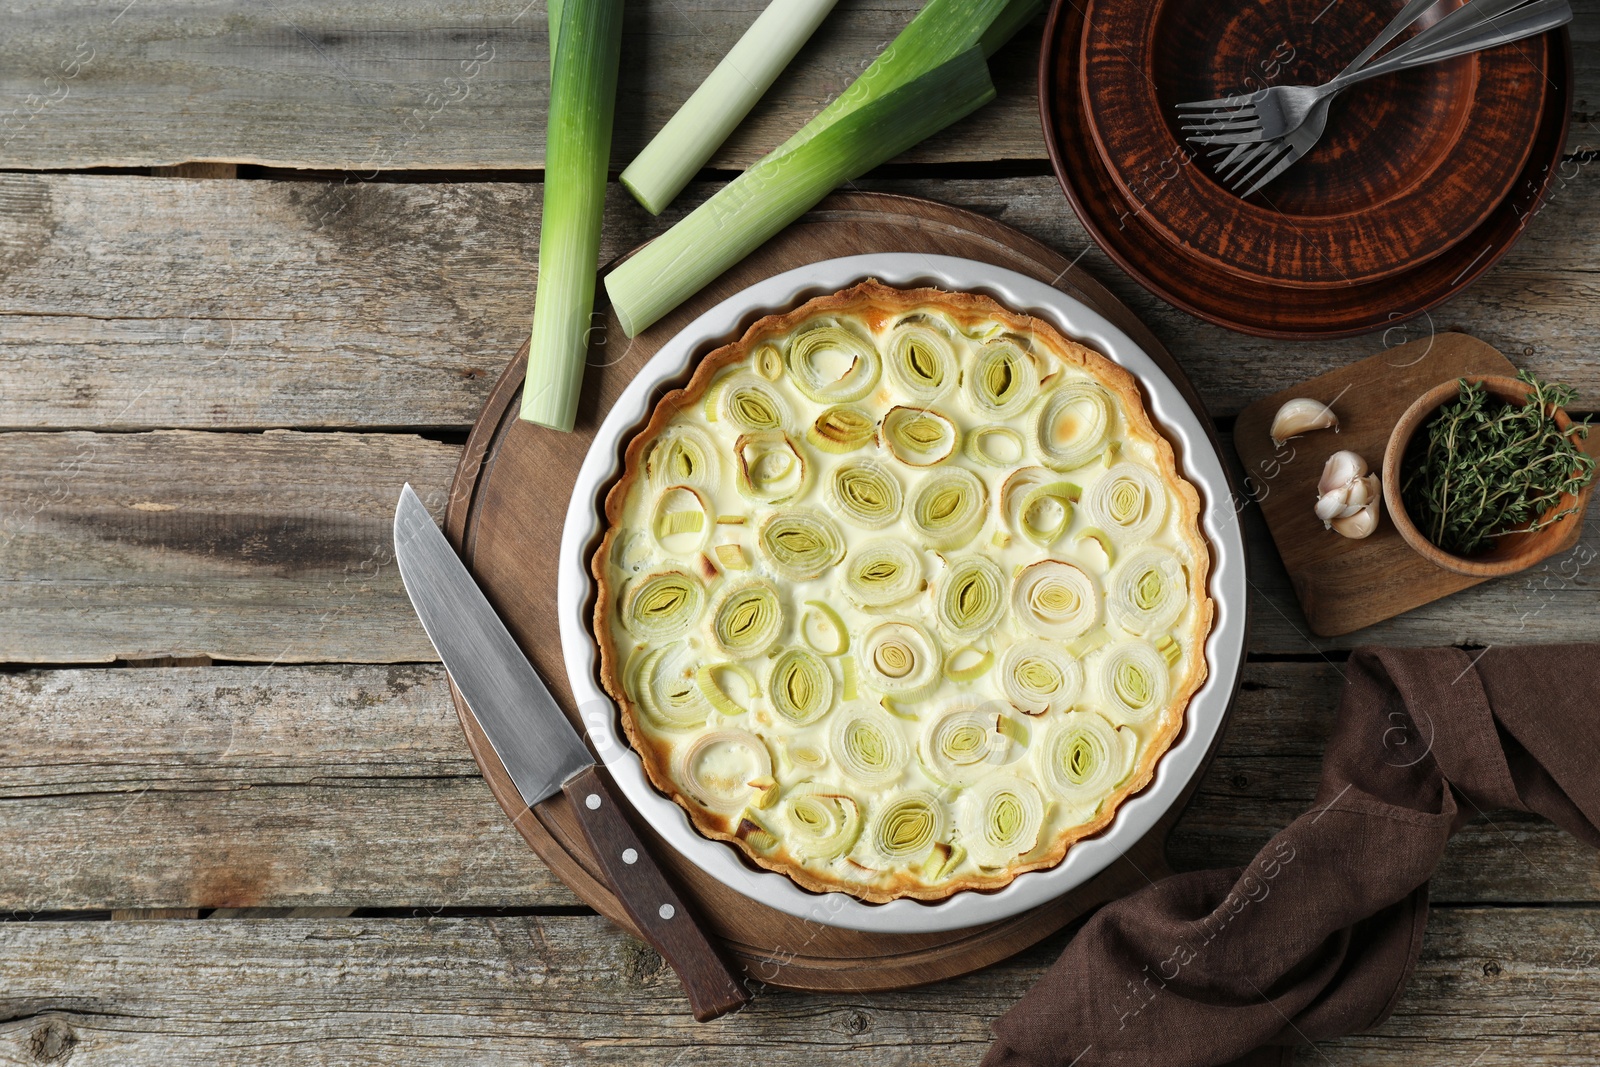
x: 902, y: 600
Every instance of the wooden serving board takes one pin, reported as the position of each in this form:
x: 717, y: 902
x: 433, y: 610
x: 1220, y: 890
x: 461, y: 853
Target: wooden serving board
x: 506, y: 510
x: 1344, y: 585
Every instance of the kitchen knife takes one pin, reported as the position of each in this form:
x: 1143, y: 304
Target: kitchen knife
x: 544, y: 755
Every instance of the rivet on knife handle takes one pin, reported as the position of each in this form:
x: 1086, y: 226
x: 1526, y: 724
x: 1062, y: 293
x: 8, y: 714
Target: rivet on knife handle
x: 655, y: 907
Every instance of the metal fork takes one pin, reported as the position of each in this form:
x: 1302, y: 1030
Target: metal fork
x: 1274, y: 128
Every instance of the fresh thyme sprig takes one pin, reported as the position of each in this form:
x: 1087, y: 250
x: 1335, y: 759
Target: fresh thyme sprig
x: 1483, y: 467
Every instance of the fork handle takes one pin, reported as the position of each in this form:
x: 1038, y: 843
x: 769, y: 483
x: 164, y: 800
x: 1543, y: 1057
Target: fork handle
x: 1472, y: 15
x: 1537, y: 17
x: 1413, y: 11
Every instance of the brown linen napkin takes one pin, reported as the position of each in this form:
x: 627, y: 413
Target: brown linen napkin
x: 1317, y: 936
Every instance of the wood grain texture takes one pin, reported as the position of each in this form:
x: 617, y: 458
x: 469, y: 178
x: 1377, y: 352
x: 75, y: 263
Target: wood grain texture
x: 1501, y: 987
x: 351, y: 786
x: 272, y: 547
x: 249, y: 787
x: 319, y: 305
x: 368, y: 85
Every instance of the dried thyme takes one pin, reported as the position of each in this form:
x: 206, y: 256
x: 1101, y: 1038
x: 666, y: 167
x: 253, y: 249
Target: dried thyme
x: 1483, y: 467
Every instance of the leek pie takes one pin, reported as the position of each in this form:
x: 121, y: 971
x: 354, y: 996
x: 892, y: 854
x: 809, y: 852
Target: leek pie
x: 902, y: 594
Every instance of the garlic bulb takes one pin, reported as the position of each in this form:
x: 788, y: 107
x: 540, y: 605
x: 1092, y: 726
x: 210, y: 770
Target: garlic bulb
x: 1302, y: 415
x: 1348, y: 496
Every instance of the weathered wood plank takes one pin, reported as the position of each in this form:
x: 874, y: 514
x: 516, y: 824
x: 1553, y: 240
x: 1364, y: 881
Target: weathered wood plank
x: 373, y: 305
x: 387, y: 85
x: 1499, y: 986
x: 366, y: 85
x: 275, y: 547
x: 272, y: 547
x: 305, y: 786
x: 248, y: 787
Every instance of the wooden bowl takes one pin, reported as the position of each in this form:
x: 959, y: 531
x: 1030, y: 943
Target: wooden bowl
x: 1202, y: 288
x: 1512, y: 552
x: 1409, y: 165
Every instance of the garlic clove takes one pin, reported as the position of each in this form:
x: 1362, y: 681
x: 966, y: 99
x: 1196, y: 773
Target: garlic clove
x: 1359, y: 525
x: 1331, y: 505
x: 1302, y: 415
x: 1341, y: 468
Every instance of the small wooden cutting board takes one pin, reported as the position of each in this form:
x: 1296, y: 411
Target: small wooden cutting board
x: 1342, y: 584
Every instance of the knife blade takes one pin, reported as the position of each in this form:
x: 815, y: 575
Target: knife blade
x: 544, y: 755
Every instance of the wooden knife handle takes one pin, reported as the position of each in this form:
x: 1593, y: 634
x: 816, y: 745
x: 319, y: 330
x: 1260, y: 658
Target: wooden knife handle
x: 655, y: 907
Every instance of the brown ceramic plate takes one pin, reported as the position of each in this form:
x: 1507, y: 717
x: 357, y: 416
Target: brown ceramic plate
x: 1410, y: 163
x: 1272, y: 309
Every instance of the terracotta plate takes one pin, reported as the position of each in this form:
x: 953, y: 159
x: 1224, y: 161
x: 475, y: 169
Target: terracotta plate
x: 1410, y: 164
x: 1273, y: 309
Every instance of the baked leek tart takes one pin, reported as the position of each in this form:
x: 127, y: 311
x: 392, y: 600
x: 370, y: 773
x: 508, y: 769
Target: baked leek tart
x: 902, y: 594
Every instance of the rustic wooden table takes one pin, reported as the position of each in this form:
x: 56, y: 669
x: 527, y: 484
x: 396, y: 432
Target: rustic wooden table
x: 259, y: 264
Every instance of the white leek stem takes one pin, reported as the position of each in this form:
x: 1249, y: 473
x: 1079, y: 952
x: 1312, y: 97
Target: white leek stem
x: 691, y: 136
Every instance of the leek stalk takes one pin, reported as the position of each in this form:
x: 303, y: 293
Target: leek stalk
x: 689, y: 138
x: 783, y: 186
x: 583, y: 90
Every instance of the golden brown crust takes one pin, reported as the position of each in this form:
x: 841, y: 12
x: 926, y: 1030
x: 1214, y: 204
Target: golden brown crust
x: 875, y: 304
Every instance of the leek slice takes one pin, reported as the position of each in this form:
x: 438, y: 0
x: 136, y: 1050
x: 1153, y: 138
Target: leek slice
x: 800, y: 687
x: 706, y: 677
x: 1132, y: 680
x: 971, y: 596
x: 682, y: 520
x: 905, y: 829
x: 1038, y: 505
x: 772, y: 468
x: 1055, y: 599
x: 920, y: 437
x: 866, y: 494
x: 962, y: 745
x: 1039, y: 677
x: 723, y: 770
x: 823, y: 822
x: 995, y: 446
x: 1001, y: 820
x: 921, y: 361
x: 705, y: 120
x: 882, y: 573
x: 842, y: 429
x: 662, y: 606
x: 1083, y: 758
x: 967, y: 664
x: 832, y: 364
x: 1146, y: 591
x: 823, y: 630
x: 683, y: 455
x: 769, y: 362
x: 1128, y: 502
x: 786, y: 183
x: 666, y: 690
x: 583, y: 91
x: 1002, y: 381
x: 746, y: 620
x: 749, y: 402
x: 801, y: 543
x: 947, y: 508
x: 732, y: 557
x: 1072, y: 425
x: 868, y: 746
x: 900, y: 659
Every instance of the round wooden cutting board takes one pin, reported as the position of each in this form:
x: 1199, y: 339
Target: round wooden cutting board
x: 505, y: 514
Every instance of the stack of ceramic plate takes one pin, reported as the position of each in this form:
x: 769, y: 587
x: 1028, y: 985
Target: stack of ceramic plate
x: 1422, y: 180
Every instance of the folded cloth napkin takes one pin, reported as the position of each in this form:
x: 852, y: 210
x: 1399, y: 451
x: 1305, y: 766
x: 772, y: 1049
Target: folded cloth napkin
x: 1317, y: 936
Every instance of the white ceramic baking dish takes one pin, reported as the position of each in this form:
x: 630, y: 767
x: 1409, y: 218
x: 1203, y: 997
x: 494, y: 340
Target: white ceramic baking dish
x: 1198, y: 461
